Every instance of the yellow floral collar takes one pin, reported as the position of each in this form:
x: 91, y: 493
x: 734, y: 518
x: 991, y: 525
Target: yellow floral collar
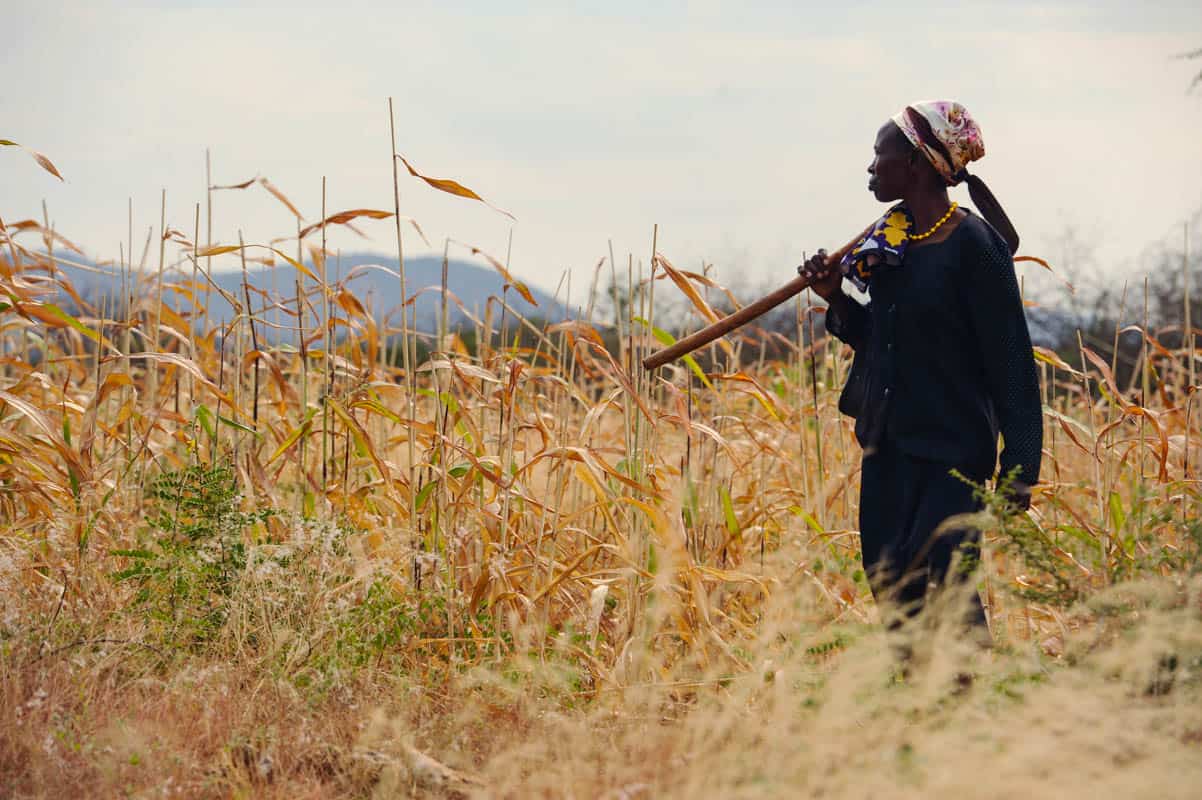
x: 885, y: 244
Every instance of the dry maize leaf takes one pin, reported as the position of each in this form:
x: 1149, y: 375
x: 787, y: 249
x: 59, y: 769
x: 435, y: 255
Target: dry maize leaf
x: 1051, y: 357
x: 34, y: 415
x: 450, y: 296
x: 566, y: 571
x: 67, y: 287
x: 277, y: 374
x: 451, y: 187
x: 31, y: 412
x: 269, y: 186
x: 43, y: 162
x: 604, y: 504
x: 61, y: 318
x: 479, y: 591
x: 376, y: 407
x: 362, y: 439
x: 350, y: 303
x: 577, y: 328
x: 688, y: 289
x: 113, y: 382
x: 417, y: 228
x: 1068, y: 424
x: 1046, y: 266
x: 219, y: 249
x: 667, y: 340
x: 504, y: 273
x: 171, y: 234
x: 1152, y: 341
x: 299, y: 267
x: 597, y: 410
x: 583, y: 455
x: 714, y: 436
x: 463, y: 368
x: 191, y: 367
x: 34, y: 225
x: 343, y: 217
x: 242, y: 185
x: 360, y: 268
x: 757, y: 392
x: 125, y: 413
x: 1163, y: 450
x: 622, y: 378
x: 1107, y: 375
x: 293, y: 436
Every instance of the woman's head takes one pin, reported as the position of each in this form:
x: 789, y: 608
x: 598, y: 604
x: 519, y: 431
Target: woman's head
x: 926, y: 147
x: 897, y: 167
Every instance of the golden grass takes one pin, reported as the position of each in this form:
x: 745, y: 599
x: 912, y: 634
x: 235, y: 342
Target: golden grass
x: 536, y: 570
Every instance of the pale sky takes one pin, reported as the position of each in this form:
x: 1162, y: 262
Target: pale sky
x: 742, y: 129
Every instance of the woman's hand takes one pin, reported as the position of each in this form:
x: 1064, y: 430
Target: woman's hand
x: 1018, y: 495
x: 826, y: 281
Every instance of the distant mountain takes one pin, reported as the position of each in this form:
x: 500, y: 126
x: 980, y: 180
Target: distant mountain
x: 371, y: 278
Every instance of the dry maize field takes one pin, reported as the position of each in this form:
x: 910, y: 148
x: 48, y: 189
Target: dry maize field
x: 312, y: 551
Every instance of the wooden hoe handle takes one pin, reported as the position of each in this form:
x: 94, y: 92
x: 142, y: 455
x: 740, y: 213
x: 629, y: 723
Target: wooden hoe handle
x: 745, y: 314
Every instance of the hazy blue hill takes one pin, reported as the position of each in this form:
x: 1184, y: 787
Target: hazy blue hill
x: 473, y: 283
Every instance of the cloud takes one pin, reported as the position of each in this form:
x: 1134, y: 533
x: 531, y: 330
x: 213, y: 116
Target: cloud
x: 736, y: 130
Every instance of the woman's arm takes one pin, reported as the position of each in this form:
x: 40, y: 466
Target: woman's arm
x: 845, y: 318
x: 996, y: 311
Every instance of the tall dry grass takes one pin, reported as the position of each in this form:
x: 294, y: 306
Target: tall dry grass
x: 283, y: 556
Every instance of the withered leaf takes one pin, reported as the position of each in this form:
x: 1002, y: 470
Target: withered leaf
x: 451, y: 187
x: 242, y: 185
x: 271, y: 187
x: 343, y: 217
x: 43, y: 162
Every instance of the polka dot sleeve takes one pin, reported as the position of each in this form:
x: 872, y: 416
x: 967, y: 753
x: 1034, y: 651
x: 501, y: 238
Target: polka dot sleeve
x: 994, y: 306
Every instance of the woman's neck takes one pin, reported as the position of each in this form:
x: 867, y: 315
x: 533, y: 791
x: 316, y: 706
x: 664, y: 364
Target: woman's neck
x: 927, y: 207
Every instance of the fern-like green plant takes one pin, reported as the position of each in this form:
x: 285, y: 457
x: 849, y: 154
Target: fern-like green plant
x: 1052, y: 578
x: 192, y: 555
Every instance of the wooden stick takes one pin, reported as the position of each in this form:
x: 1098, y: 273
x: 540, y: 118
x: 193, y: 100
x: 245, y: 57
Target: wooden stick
x: 745, y: 314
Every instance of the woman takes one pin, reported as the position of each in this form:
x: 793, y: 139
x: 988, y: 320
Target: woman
x: 943, y: 354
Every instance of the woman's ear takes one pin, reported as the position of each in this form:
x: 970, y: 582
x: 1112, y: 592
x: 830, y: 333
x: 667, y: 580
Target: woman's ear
x: 921, y: 170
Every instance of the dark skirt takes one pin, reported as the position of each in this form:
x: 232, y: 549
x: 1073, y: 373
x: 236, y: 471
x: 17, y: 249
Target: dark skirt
x: 903, y: 500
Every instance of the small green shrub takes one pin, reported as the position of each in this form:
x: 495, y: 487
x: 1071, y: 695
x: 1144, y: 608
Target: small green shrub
x: 1133, y: 546
x: 192, y: 554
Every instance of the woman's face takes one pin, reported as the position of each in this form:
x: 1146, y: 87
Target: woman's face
x: 890, y: 172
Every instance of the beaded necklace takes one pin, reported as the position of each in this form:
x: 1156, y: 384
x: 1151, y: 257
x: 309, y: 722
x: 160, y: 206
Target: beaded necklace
x: 920, y: 236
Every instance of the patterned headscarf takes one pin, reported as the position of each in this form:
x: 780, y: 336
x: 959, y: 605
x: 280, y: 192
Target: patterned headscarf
x: 945, y: 133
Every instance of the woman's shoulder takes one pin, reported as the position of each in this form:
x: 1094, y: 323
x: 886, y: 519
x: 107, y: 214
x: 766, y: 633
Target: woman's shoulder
x: 976, y: 233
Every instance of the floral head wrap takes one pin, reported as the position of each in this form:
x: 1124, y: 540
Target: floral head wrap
x: 949, y: 137
x: 945, y: 133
